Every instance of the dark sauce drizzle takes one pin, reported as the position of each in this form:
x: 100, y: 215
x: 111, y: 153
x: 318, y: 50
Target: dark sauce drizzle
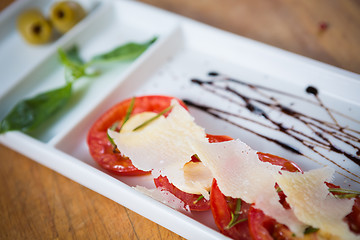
x: 324, y: 130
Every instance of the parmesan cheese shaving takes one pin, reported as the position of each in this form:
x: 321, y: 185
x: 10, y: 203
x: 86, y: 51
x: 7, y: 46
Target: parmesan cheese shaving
x: 240, y: 174
x: 312, y: 203
x: 197, y: 176
x: 164, y: 147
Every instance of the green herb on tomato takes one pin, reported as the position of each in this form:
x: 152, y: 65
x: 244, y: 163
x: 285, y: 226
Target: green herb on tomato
x: 338, y: 192
x: 153, y: 118
x: 344, y: 193
x: 198, y: 199
x: 30, y: 113
x: 113, y: 128
x: 126, y: 118
x: 128, y: 112
x: 235, y: 215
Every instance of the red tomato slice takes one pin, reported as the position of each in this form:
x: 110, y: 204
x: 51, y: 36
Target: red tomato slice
x: 222, y: 207
x: 100, y: 147
x: 279, y: 161
x: 258, y: 226
x: 194, y: 201
x: 353, y: 219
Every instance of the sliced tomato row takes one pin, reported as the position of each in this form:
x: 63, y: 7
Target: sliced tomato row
x: 254, y: 225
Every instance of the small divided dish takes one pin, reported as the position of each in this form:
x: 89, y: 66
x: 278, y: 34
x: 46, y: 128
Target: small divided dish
x: 186, y: 53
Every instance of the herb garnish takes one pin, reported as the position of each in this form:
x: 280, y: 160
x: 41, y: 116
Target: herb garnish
x: 30, y: 113
x: 153, y: 118
x: 310, y: 229
x: 235, y: 215
x: 198, y: 199
x: 128, y: 112
x: 114, y: 126
x: 74, y: 65
x: 346, y: 193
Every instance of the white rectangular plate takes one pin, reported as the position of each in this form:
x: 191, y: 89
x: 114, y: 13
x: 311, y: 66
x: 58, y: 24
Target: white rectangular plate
x: 186, y: 50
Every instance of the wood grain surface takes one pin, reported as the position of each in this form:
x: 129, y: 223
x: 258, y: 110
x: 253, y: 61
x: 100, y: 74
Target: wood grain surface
x: 38, y: 203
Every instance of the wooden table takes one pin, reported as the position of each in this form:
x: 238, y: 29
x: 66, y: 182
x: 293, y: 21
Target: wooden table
x: 37, y: 203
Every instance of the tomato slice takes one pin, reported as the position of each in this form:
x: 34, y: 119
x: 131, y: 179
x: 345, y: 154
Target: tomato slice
x: 195, y: 202
x: 222, y: 207
x: 279, y: 161
x: 258, y: 224
x: 99, y: 145
x: 353, y: 219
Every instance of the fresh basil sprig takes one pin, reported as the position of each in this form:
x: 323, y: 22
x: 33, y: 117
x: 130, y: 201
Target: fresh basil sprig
x: 30, y: 113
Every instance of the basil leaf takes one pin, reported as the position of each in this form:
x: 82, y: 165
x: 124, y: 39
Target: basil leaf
x: 125, y: 52
x: 73, y: 55
x: 74, y: 67
x: 30, y: 113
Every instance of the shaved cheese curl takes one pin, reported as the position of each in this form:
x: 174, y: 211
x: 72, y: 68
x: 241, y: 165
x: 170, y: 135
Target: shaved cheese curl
x: 164, y: 147
x: 314, y: 205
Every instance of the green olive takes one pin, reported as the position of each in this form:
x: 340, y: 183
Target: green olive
x: 34, y: 27
x: 65, y: 14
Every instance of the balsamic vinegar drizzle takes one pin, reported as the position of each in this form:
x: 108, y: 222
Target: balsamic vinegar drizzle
x: 325, y: 132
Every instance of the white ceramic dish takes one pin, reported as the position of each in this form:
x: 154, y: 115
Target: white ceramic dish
x: 185, y: 50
